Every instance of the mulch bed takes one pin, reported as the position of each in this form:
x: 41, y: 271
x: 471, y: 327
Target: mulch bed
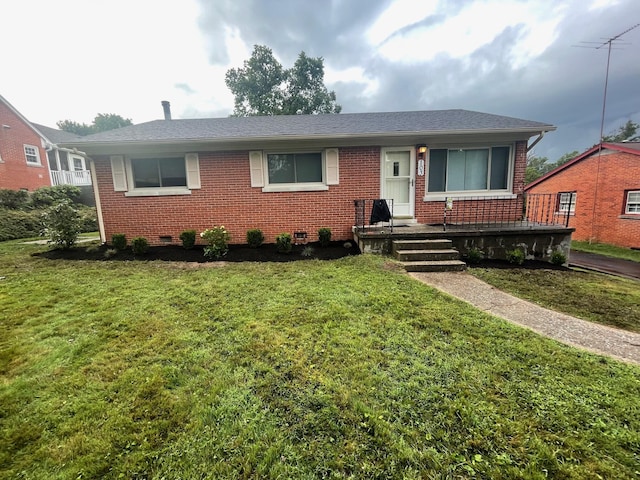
x: 527, y: 265
x: 237, y: 253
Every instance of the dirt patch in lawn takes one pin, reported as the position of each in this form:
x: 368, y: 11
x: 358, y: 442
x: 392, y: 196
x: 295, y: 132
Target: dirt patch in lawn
x: 237, y: 253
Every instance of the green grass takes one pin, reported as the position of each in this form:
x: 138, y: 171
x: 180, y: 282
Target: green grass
x: 607, y: 250
x: 591, y: 296
x: 343, y: 369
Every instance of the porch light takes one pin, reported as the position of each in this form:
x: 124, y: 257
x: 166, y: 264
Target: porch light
x: 422, y: 150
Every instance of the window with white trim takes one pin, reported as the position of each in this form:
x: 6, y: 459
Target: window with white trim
x: 567, y: 202
x: 632, y: 203
x: 294, y: 170
x: 32, y: 154
x: 469, y: 169
x: 155, y: 175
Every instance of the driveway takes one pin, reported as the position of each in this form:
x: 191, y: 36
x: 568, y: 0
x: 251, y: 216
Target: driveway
x: 600, y: 263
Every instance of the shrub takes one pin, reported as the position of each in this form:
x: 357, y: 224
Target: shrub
x: 110, y: 252
x: 515, y: 256
x: 119, y: 241
x: 46, y: 196
x: 307, y: 251
x: 88, y: 218
x: 188, y: 238
x: 19, y: 224
x: 283, y: 243
x: 217, y: 239
x: 558, y: 258
x: 13, y: 199
x: 255, y: 238
x: 139, y: 245
x: 62, y: 224
x: 474, y: 255
x: 324, y: 236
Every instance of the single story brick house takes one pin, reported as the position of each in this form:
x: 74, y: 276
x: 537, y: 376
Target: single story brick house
x: 606, y: 204
x: 299, y: 173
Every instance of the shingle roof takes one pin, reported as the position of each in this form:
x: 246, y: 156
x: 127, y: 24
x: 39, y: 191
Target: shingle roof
x: 55, y: 135
x: 310, y: 126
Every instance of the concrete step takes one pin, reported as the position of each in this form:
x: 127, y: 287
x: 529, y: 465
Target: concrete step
x: 418, y: 255
x: 435, y: 266
x: 424, y: 244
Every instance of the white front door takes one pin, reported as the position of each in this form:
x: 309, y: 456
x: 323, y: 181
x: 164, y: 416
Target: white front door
x: 398, y: 180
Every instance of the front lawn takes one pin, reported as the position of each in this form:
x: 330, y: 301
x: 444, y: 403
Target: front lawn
x: 596, y: 297
x: 311, y: 369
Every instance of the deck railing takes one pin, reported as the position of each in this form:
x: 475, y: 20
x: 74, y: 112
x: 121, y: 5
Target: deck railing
x: 364, y: 212
x: 522, y: 211
x: 65, y: 177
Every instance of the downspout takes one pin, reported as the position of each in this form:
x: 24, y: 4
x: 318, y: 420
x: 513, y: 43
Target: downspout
x: 96, y: 195
x: 535, y: 142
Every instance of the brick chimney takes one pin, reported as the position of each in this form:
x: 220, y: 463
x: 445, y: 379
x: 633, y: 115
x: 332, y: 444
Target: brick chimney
x: 166, y: 106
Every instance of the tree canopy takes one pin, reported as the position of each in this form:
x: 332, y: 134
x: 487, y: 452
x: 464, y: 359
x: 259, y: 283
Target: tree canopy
x: 264, y: 87
x: 101, y: 123
x: 539, y: 166
x: 625, y: 133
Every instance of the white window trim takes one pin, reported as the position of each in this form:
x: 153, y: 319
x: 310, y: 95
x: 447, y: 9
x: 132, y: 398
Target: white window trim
x: 37, y: 163
x: 72, y: 165
x: 293, y: 187
x: 504, y: 193
x: 626, y: 203
x: 562, y: 206
x: 121, y: 167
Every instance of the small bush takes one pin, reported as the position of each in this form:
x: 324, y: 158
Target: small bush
x: 139, y: 246
x: 308, y: 251
x: 474, y: 255
x: 255, y: 237
x: 188, y: 238
x: 324, y: 236
x: 88, y: 218
x: 558, y: 258
x: 217, y: 239
x: 110, y: 252
x: 283, y: 243
x: 515, y: 256
x: 13, y: 199
x: 62, y: 224
x: 119, y: 241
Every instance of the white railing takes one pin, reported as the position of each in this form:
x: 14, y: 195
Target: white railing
x: 64, y: 177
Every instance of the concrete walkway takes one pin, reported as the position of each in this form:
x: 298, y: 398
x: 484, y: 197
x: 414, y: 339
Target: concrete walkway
x: 612, y: 342
x: 80, y: 240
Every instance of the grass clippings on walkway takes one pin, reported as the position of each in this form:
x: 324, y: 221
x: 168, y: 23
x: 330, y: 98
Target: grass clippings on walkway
x: 342, y: 369
x: 596, y: 297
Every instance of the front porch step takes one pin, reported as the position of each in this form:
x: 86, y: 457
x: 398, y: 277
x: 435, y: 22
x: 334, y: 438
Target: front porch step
x: 427, y: 255
x: 435, y: 266
x: 421, y: 244
x: 424, y: 255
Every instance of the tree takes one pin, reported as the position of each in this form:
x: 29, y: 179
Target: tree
x: 263, y: 87
x: 101, y: 123
x: 625, y: 133
x: 539, y: 166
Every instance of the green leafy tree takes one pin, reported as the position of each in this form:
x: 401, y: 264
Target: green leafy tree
x: 101, y: 123
x: 625, y: 133
x: 264, y: 87
x: 539, y: 166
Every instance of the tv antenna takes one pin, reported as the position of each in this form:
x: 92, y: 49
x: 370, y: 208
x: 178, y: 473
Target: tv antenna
x: 598, y: 46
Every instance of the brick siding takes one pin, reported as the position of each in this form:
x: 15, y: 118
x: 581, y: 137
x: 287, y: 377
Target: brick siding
x: 600, y: 220
x: 15, y: 173
x: 227, y: 198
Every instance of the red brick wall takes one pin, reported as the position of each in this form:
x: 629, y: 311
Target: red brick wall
x: 15, y: 173
x: 600, y: 220
x: 227, y: 198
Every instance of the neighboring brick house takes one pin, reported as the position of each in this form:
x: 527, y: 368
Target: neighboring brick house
x: 30, y: 157
x: 606, y: 208
x: 300, y: 172
x: 23, y: 158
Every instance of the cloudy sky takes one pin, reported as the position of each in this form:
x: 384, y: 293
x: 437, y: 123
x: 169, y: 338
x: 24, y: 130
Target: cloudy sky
x: 72, y: 59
